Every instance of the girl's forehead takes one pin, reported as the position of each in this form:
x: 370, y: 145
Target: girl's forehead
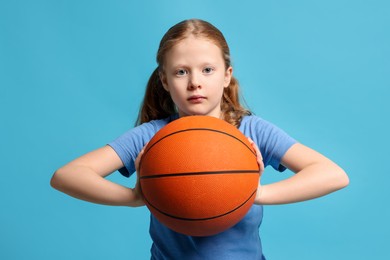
x: 194, y: 48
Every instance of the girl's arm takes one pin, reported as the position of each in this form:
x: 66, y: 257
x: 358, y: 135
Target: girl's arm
x: 83, y: 178
x: 315, y: 176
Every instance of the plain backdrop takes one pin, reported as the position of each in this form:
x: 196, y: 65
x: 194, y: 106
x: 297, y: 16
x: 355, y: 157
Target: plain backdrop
x: 72, y: 76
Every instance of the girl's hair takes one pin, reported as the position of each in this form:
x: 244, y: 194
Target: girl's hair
x: 157, y: 103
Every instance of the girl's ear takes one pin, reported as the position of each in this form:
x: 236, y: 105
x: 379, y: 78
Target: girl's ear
x: 163, y: 81
x: 228, y: 77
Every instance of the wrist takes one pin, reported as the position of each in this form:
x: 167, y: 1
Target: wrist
x: 136, y: 198
x: 259, y: 194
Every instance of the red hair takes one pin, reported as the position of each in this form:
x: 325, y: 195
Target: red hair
x: 157, y: 103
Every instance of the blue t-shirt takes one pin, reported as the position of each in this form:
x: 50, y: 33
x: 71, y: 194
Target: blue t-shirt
x: 242, y: 241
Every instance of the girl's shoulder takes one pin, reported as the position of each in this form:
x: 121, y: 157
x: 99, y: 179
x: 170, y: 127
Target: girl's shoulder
x: 254, y: 121
x: 154, y: 126
x: 259, y: 128
x: 272, y: 141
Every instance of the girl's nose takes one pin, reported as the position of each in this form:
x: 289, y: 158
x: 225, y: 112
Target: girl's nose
x: 194, y: 82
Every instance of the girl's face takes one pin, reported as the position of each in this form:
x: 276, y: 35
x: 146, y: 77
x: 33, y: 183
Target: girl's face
x: 195, y: 76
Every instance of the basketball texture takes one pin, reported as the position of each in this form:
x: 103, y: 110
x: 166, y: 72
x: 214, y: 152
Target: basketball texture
x: 199, y: 175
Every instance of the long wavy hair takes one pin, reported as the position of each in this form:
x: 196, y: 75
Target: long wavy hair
x: 158, y: 104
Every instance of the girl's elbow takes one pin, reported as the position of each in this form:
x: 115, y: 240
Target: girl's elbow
x: 342, y: 179
x: 55, y: 180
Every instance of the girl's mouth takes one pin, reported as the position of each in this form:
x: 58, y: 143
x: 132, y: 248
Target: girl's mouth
x: 196, y: 99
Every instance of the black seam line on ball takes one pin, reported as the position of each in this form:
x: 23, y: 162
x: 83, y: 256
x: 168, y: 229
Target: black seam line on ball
x: 201, y: 129
x: 201, y: 219
x: 197, y: 173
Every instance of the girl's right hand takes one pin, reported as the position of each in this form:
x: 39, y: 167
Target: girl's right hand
x: 137, y: 190
x: 84, y: 178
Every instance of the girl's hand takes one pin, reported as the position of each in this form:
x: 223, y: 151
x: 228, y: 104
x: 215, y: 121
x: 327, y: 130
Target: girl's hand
x: 261, y: 165
x: 84, y: 178
x: 137, y: 190
x: 315, y: 176
x: 258, y: 155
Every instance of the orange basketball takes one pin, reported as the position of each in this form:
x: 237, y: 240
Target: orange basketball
x: 199, y: 175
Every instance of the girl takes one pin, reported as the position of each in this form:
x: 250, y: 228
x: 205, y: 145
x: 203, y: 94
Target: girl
x: 194, y: 77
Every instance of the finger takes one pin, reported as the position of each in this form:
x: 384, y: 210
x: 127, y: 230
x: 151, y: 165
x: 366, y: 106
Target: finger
x: 139, y: 156
x: 258, y: 155
x: 256, y: 148
x: 143, y: 148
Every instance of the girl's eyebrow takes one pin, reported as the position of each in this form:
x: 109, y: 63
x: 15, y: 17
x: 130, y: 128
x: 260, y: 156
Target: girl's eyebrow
x: 181, y: 65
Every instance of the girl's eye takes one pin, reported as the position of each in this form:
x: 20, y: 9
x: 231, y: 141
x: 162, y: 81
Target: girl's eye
x: 181, y: 72
x: 208, y: 70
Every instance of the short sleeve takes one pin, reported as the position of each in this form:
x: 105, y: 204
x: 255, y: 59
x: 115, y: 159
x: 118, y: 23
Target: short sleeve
x: 272, y: 141
x: 128, y: 145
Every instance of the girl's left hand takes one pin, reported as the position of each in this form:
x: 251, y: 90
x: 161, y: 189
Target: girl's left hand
x: 258, y: 155
x: 260, y: 163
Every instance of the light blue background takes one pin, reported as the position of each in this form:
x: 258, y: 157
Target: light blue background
x: 72, y: 75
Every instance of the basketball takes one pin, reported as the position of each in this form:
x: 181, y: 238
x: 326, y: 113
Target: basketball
x: 199, y: 175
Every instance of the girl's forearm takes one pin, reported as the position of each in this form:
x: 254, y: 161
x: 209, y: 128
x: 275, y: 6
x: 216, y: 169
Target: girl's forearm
x: 312, y: 182
x: 83, y: 183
